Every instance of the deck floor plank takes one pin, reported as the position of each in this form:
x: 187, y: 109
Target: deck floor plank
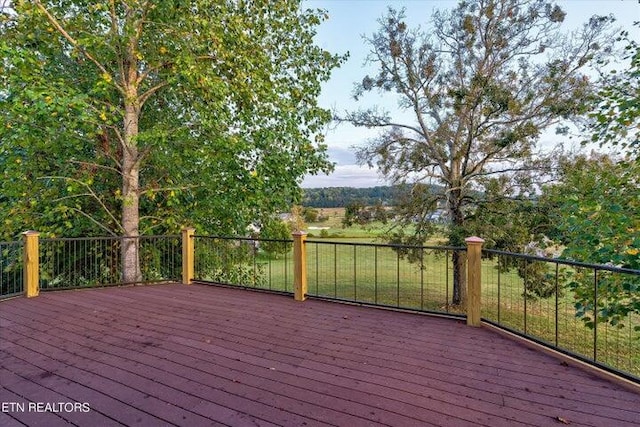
x: 201, y: 355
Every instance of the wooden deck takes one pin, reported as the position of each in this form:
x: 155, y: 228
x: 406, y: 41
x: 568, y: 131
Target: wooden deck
x: 199, y: 356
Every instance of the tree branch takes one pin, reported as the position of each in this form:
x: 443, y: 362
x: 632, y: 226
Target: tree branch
x: 92, y: 194
x: 158, y: 190
x: 378, y: 122
x: 109, y: 168
x: 95, y: 221
x: 75, y: 43
x: 143, y: 98
x: 500, y: 171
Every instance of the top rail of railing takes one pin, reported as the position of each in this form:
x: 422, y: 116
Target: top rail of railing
x: 387, y: 245
x: 335, y: 242
x: 108, y: 238
x: 563, y: 261
x: 242, y: 238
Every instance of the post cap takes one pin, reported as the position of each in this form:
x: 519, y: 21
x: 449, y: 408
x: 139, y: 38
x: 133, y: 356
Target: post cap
x: 31, y: 233
x: 299, y: 233
x: 474, y: 239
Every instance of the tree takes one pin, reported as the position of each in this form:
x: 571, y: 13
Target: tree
x: 310, y: 214
x: 598, y: 199
x: 482, y: 85
x: 352, y: 213
x: 296, y: 218
x: 133, y: 114
x: 596, y: 205
x: 379, y: 212
x: 616, y: 115
x: 278, y: 235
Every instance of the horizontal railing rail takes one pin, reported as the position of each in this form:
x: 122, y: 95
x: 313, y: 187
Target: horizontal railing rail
x: 11, y: 269
x: 566, y: 305
x: 386, y: 245
x: 244, y: 262
x: 71, y: 263
x: 418, y: 278
x: 561, y: 261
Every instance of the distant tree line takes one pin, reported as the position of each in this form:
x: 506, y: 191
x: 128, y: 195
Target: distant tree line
x: 337, y: 197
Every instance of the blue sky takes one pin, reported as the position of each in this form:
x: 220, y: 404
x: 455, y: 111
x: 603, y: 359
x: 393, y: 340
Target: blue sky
x: 349, y: 20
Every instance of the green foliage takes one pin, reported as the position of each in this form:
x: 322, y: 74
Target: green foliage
x: 616, y: 117
x: 596, y: 215
x: 379, y: 213
x: 310, y: 214
x: 240, y: 274
x: 357, y: 213
x: 279, y: 231
x: 337, y: 197
x: 11, y: 268
x: 508, y: 218
x: 600, y: 201
x: 352, y: 214
x: 613, y: 296
x: 539, y: 279
x: 224, y: 99
x: 232, y: 262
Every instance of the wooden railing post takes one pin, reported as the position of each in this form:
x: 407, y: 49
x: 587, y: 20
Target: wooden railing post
x: 31, y: 259
x: 299, y: 265
x: 474, y: 279
x: 188, y: 256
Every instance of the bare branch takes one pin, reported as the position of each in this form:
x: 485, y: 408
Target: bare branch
x: 96, y: 165
x: 91, y: 193
x: 143, y: 98
x: 95, y: 221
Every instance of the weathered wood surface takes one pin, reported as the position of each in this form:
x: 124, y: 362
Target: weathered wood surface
x: 199, y: 355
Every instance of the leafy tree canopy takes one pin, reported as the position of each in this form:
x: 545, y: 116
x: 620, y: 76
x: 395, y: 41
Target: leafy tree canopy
x: 616, y: 117
x: 481, y: 85
x: 598, y: 199
x: 595, y: 209
x: 135, y: 116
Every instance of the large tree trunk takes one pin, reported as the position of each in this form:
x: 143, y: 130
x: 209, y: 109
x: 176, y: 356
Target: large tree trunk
x: 130, y: 196
x: 459, y: 259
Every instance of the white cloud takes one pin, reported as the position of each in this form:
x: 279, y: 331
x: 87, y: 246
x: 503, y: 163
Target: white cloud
x: 345, y: 176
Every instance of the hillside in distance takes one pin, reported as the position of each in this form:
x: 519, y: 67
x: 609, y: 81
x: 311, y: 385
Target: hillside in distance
x: 336, y: 197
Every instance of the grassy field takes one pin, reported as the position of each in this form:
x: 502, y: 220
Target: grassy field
x: 332, y: 229
x: 346, y: 265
